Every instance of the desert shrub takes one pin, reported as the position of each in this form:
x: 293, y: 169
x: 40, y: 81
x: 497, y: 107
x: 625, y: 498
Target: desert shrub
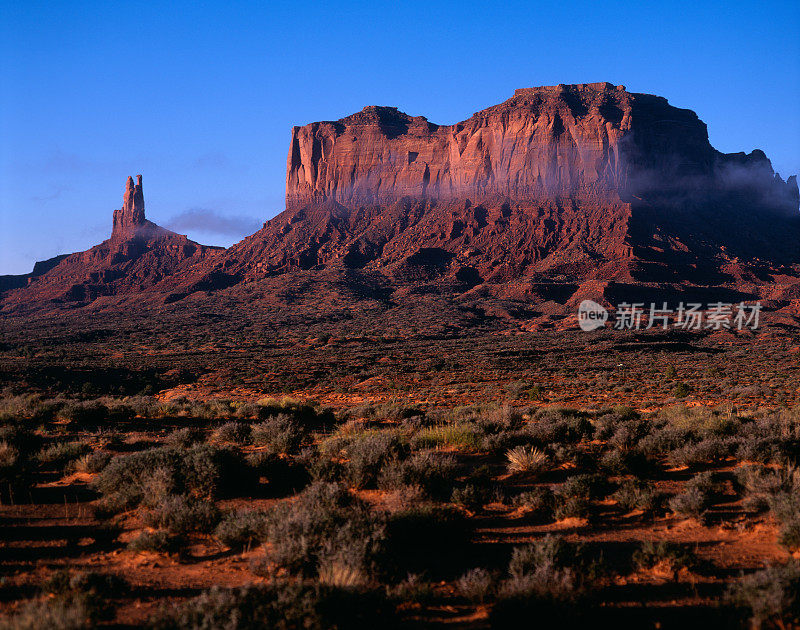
x: 325, y: 522
x: 671, y: 556
x: 682, y: 390
x: 382, y: 411
x: 663, y: 440
x: 548, y: 551
x: 522, y: 460
x: 92, y: 462
x: 184, y: 437
x: 699, y: 422
x: 21, y: 438
x: 202, y: 471
x: 696, y: 498
x: 17, y: 446
x: 58, y: 455
x: 497, y: 418
x: 785, y: 506
x: 558, y: 426
x: 627, y: 462
x: 759, y: 485
x: 417, y: 535
x: 84, y: 413
x: 76, y: 602
x: 179, y: 514
x: 233, y: 432
x: 471, y: 497
x: 539, y: 503
x: 281, y: 606
x: 572, y: 507
x: 413, y: 589
x: 282, y: 476
x: 547, y: 583
x: 246, y: 410
x: 466, y: 435
x: 476, y: 585
x: 589, y: 486
x: 307, y: 415
x: 635, y: 494
x: 159, y: 541
x: 609, y: 422
x: 367, y: 455
x: 28, y: 407
x: 770, y: 597
x: 242, y: 528
x: 709, y: 450
x: 280, y: 433
x: 691, y: 503
x: 432, y: 471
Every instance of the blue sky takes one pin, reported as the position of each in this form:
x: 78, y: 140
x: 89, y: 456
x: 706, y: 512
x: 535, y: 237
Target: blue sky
x: 200, y: 97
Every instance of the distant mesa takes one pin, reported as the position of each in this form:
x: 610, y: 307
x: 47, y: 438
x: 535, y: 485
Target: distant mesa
x: 559, y: 194
x: 138, y: 255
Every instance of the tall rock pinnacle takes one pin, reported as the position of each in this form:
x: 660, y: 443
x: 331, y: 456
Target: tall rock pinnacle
x: 131, y: 215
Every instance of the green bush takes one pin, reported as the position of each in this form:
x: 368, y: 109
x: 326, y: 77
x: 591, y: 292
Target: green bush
x: 466, y: 435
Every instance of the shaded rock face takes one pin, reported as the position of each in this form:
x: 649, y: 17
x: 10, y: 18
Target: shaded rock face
x: 573, y: 183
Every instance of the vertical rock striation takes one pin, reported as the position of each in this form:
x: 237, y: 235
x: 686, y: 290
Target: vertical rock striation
x: 131, y: 216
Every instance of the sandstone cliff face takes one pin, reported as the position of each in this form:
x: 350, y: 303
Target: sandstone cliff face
x: 593, y: 141
x: 131, y: 216
x: 566, y: 189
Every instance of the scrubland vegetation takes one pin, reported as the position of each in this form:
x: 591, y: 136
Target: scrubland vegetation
x: 389, y: 514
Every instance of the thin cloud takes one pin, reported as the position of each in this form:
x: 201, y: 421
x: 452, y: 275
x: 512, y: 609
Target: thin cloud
x: 57, y: 192
x: 211, y: 160
x: 204, y: 220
